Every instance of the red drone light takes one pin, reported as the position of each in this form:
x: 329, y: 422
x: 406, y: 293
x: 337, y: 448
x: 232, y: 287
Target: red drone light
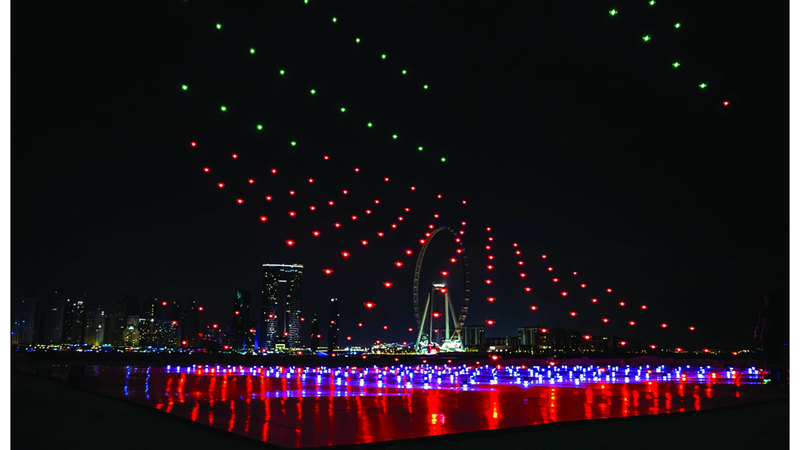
x: 327, y: 271
x: 387, y: 284
x: 345, y: 192
x: 310, y: 180
x: 664, y: 325
x: 274, y: 171
x: 409, y: 252
x: 463, y: 202
x: 199, y: 308
x: 349, y: 338
x: 337, y: 224
x: 691, y: 328
x: 490, y: 257
x: 163, y: 303
x: 528, y: 289
x: 422, y: 241
x: 360, y: 324
x: 410, y: 329
x: 239, y: 201
x: 533, y: 307
x: 583, y: 285
x: 234, y: 156
x: 268, y: 198
x: 220, y: 185
x: 436, y: 315
x: 193, y: 144
x: 490, y: 322
x: 488, y: 281
x: 292, y: 192
x: 443, y: 290
x: 605, y: 319
x: 215, y: 326
x: 377, y: 202
x: 444, y: 273
x: 413, y: 188
x: 490, y: 267
x: 326, y: 157
x: 206, y: 169
x: 353, y: 217
x: 345, y: 254
x: 356, y: 170
x: 544, y: 256
x: 312, y: 208
x: 368, y: 305
x: 555, y: 280
x: 453, y: 260
x: 251, y: 181
x: 380, y: 233
x: 386, y: 327
x: 632, y: 323
x: 364, y: 242
x: 490, y: 299
x: 289, y: 242
x: 726, y: 103
x: 398, y: 263
x: 330, y: 202
x: 587, y: 336
x: 644, y: 306
x: 292, y: 213
x: 386, y: 179
x: 439, y: 196
x: 573, y: 313
x: 621, y: 303
x: 564, y: 293
x: 609, y: 290
x: 367, y: 211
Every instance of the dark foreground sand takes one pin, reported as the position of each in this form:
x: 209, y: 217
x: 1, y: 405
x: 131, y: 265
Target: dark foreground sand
x: 49, y: 414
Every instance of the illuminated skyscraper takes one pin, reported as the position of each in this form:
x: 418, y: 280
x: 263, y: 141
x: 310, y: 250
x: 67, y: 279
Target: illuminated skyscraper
x: 281, y: 303
x: 313, y: 337
x: 23, y: 317
x: 94, y: 334
x: 333, y: 325
x: 49, y: 320
x: 240, y: 322
x: 74, y: 322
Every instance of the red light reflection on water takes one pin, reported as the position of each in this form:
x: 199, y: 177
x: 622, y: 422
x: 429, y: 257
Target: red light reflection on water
x: 298, y: 407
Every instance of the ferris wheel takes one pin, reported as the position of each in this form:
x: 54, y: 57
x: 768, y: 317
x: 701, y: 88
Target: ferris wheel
x: 438, y: 294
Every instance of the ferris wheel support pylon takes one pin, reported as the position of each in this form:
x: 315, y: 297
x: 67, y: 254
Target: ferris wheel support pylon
x: 421, y: 318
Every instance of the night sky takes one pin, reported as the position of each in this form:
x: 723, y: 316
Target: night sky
x: 564, y: 131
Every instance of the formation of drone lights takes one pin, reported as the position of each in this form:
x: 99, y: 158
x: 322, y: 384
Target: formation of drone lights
x: 675, y: 27
x: 395, y: 136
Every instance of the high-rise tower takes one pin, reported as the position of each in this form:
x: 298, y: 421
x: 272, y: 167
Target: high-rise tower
x: 240, y: 323
x: 333, y: 325
x: 281, y: 303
